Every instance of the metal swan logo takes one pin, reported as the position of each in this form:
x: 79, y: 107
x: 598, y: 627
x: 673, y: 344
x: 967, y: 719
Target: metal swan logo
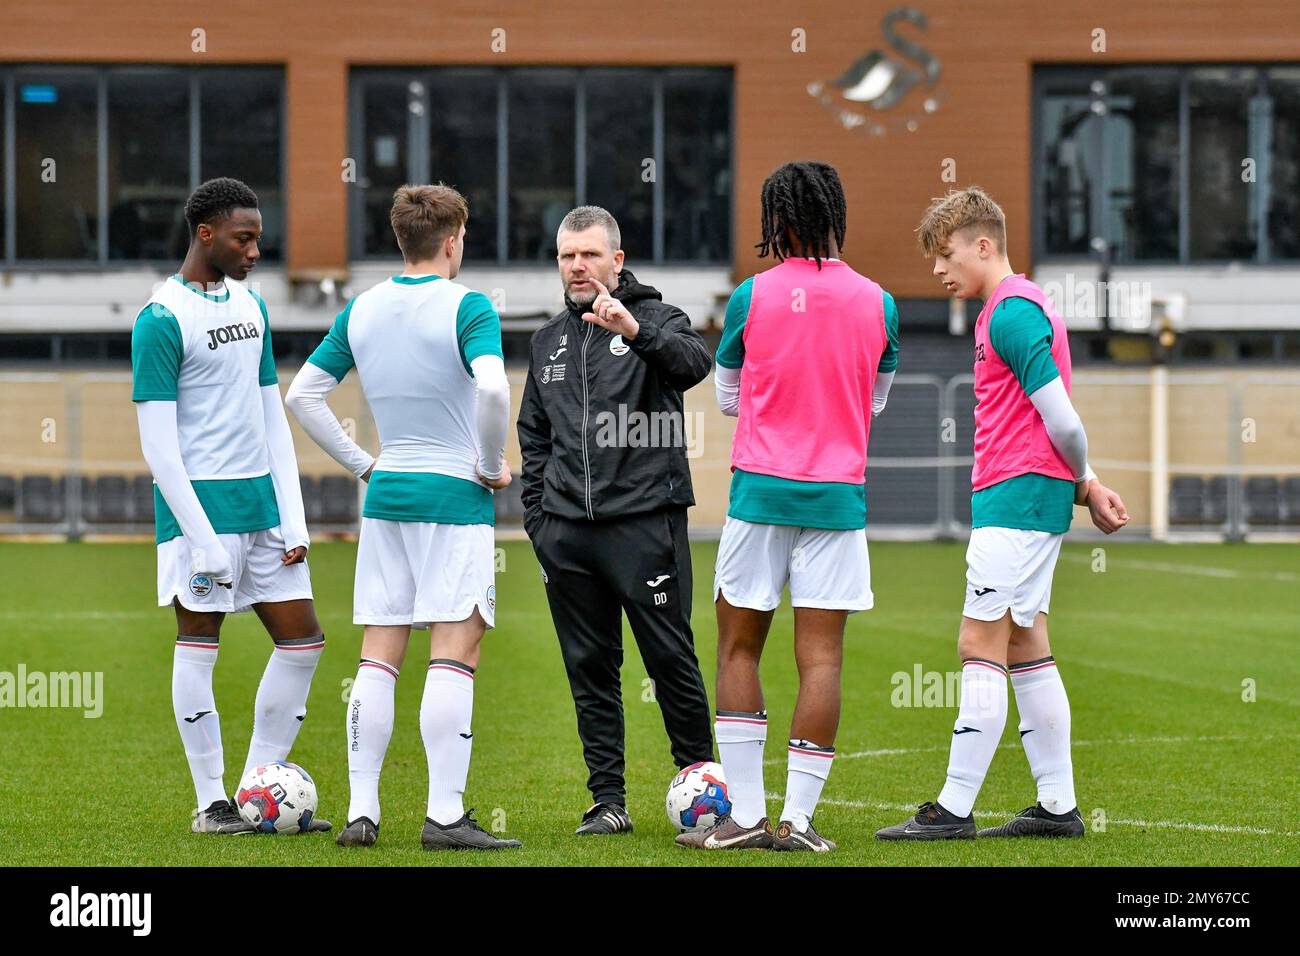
x: 881, y: 81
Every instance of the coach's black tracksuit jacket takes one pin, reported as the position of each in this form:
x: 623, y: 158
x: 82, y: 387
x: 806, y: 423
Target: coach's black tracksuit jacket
x: 605, y: 490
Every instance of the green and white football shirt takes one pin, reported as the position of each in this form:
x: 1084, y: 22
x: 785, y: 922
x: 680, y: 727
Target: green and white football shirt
x: 210, y: 353
x: 766, y: 499
x: 412, y: 339
x: 1022, y: 337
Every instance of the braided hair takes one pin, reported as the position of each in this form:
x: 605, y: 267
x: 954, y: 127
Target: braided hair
x: 808, y: 199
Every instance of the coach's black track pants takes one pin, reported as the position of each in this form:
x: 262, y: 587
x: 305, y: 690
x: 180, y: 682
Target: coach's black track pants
x: 596, y: 571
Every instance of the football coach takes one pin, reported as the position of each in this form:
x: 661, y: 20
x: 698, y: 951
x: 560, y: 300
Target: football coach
x: 605, y: 489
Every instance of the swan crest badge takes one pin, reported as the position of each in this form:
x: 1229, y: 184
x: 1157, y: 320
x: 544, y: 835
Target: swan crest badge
x: 865, y: 96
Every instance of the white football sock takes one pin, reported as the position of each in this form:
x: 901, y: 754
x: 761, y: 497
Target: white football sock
x: 809, y: 766
x: 445, y: 714
x: 281, y: 703
x: 196, y: 715
x: 369, y: 728
x: 741, y: 737
x: 1045, y: 731
x: 976, y: 733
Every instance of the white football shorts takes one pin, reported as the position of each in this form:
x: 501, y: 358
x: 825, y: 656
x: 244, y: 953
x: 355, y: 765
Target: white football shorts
x: 1009, y: 568
x: 418, y: 572
x: 260, y: 577
x: 824, y: 568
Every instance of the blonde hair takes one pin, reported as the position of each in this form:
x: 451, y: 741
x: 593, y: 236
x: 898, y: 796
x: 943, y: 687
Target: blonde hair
x: 970, y: 208
x: 423, y: 216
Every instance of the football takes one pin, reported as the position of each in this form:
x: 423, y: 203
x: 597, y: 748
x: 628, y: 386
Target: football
x: 697, y: 796
x: 277, y: 797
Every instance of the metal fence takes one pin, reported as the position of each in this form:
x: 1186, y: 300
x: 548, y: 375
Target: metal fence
x: 1193, y: 454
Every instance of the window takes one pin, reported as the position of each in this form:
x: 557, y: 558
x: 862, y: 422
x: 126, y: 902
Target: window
x: 55, y: 166
x: 1220, y: 205
x: 542, y: 163
x: 620, y: 149
x: 102, y: 159
x: 148, y: 164
x: 1141, y: 179
x: 525, y: 145
x: 389, y: 105
x: 6, y: 180
x: 1067, y: 186
x: 240, y: 123
x: 697, y: 200
x: 1168, y: 164
x: 462, y: 152
x: 1282, y: 237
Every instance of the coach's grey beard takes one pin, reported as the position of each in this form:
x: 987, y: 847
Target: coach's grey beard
x: 580, y: 306
x: 582, y: 302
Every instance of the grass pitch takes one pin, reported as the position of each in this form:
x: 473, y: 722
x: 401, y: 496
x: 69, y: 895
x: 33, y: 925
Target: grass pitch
x: 1159, y: 655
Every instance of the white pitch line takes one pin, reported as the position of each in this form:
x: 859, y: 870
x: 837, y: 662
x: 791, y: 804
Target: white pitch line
x: 1118, y: 821
x: 887, y: 752
x: 1200, y: 569
x: 40, y: 616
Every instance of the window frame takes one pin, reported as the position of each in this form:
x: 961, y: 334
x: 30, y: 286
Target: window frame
x: 12, y: 74
x: 1048, y: 74
x: 417, y: 152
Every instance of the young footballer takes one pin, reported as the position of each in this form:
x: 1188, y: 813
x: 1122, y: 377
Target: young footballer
x: 808, y: 352
x: 228, y: 509
x: 1031, y: 469
x: 428, y: 351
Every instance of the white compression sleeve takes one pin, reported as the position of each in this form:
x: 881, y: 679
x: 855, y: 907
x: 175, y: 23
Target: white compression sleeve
x: 1064, y: 427
x: 284, y: 470
x: 160, y: 444
x: 306, y: 399
x: 492, y: 394
x: 726, y: 385
x: 880, y: 393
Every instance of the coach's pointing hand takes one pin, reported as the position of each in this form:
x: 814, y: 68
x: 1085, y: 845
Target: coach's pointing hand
x: 609, y: 313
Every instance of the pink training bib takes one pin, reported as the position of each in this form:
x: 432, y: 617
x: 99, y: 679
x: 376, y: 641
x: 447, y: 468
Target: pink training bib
x: 1010, y: 437
x: 813, y: 342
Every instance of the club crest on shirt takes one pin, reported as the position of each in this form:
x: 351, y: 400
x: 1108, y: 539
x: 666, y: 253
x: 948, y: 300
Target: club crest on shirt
x: 200, y: 585
x: 617, y: 346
